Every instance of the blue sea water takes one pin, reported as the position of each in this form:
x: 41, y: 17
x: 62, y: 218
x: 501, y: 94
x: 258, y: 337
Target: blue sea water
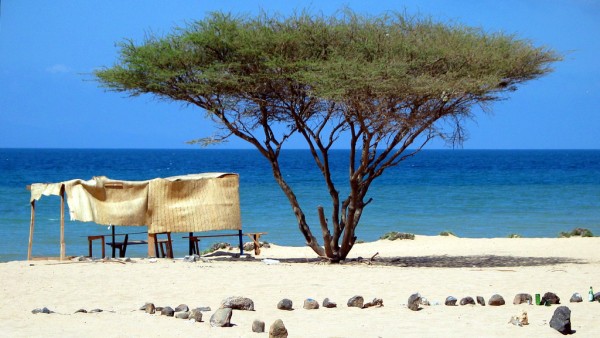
x: 473, y: 193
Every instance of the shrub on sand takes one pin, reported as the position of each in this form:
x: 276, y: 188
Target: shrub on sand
x: 394, y: 235
x: 581, y: 232
x: 514, y: 236
x: 447, y: 233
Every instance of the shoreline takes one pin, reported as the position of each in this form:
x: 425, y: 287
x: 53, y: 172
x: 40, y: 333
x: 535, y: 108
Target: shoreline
x: 121, y: 288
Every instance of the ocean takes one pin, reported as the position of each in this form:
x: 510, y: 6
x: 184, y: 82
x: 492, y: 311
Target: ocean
x: 472, y: 193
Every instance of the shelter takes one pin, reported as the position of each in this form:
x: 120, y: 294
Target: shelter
x: 189, y: 203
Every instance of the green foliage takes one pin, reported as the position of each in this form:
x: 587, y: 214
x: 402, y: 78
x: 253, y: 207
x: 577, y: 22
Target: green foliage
x: 447, y: 233
x: 514, y: 236
x: 581, y: 232
x: 394, y: 235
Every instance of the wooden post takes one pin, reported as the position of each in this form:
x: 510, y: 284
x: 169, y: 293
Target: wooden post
x: 241, y: 242
x: 151, y: 245
x: 31, y: 227
x: 62, y: 223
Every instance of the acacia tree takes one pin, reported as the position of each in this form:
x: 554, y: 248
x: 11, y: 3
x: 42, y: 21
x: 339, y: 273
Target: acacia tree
x: 389, y: 84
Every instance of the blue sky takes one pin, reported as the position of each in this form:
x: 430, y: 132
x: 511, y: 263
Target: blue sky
x: 48, y: 49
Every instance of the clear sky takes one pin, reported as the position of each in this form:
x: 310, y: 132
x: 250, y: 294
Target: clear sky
x: 48, y: 49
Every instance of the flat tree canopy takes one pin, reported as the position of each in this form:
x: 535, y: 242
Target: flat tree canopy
x: 390, y: 83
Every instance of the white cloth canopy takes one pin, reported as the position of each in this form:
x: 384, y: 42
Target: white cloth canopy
x: 197, y: 202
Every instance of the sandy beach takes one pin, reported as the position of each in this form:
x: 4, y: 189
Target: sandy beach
x: 434, y: 266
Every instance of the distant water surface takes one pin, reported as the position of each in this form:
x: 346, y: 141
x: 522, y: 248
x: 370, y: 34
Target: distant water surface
x: 487, y: 193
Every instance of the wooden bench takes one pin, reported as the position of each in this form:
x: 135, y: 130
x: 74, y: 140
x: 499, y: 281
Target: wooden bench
x: 255, y: 236
x: 114, y: 244
x: 165, y: 245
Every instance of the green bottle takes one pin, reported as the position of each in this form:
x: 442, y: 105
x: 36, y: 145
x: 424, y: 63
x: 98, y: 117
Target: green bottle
x: 591, y: 295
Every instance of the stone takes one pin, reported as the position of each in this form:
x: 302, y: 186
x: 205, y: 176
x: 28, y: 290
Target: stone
x: 182, y: 308
x: 311, y: 304
x: 356, y: 301
x: 450, y: 301
x: 576, y: 298
x: 278, y: 330
x: 424, y: 302
x: 167, y: 311
x: 158, y: 308
x: 377, y: 302
x: 238, y: 303
x: 204, y: 308
x: 597, y: 296
x: 496, y: 300
x: 550, y: 298
x: 149, y: 308
x: 413, y: 301
x: 42, y: 310
x: 521, y: 298
x: 95, y: 311
x: 221, y: 318
x: 182, y: 315
x: 81, y: 311
x: 561, y: 320
x: 258, y: 326
x: 328, y: 304
x: 196, y: 315
x: 480, y: 300
x: 285, y: 304
x: 467, y: 301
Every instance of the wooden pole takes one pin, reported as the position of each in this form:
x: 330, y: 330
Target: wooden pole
x: 31, y: 227
x: 62, y: 223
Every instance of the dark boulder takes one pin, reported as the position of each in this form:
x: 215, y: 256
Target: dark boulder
x: 561, y: 320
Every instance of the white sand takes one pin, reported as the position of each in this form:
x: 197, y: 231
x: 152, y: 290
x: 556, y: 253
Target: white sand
x: 120, y: 289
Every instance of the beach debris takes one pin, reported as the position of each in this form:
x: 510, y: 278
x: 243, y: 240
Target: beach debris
x: 521, y: 298
x: 519, y: 320
x: 480, y: 300
x: 376, y: 302
x: 425, y: 301
x: 95, y: 311
x: 356, y: 301
x: 196, y: 315
x: 550, y: 298
x: 310, y: 304
x: 258, y: 326
x: 561, y: 320
x: 42, y: 310
x: 467, y: 301
x: 576, y: 298
x: 328, y: 304
x: 413, y: 301
x: 278, y: 330
x: 221, y: 318
x: 191, y: 258
x: 182, y: 307
x: 182, y: 315
x: 285, y: 304
x: 81, y: 311
x: 496, y: 300
x: 167, y: 311
x: 269, y: 261
x: 153, y: 260
x: 450, y: 301
x: 238, y: 303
